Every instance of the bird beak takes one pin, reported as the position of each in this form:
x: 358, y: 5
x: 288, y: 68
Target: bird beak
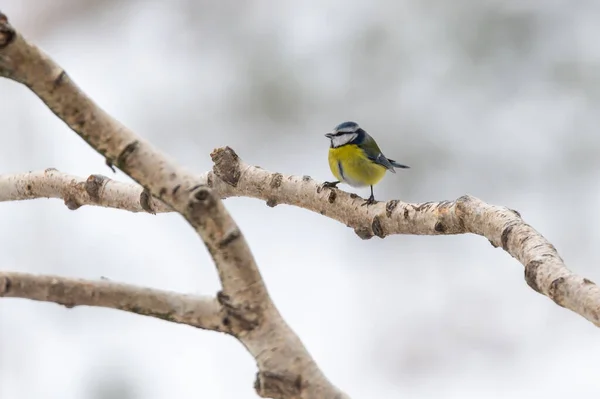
x: 329, y: 135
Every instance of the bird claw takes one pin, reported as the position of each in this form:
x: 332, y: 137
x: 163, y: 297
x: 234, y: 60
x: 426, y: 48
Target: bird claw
x: 369, y: 201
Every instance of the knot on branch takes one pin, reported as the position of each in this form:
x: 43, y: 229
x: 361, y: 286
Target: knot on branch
x: 7, y: 32
x: 226, y: 165
x: 123, y: 158
x: 273, y: 385
x: 94, y: 185
x: 146, y: 201
x: 4, y: 285
x: 201, y: 203
x: 238, y: 318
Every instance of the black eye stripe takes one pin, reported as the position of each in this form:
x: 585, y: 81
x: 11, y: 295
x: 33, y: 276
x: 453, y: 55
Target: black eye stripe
x: 342, y: 133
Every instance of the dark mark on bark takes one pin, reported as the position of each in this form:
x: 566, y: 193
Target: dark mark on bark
x: 406, y: 213
x: 555, y: 292
x: 299, y: 382
x: 202, y: 194
x: 587, y: 281
x: 332, y: 197
x: 424, y: 206
x: 531, y: 270
x: 126, y: 153
x: 226, y: 165
x: 364, y: 233
x: 493, y: 245
x: 93, y: 186
x: 271, y: 203
x: 7, y: 32
x: 145, y: 199
x: 538, y: 246
x: 272, y: 385
x: 209, y: 180
x: 72, y: 204
x: 238, y: 319
x: 377, y: 227
x: 523, y: 240
x: 6, y: 288
x: 60, y: 80
x: 276, y: 180
x: 162, y: 192
x: 306, y: 178
x: 353, y: 196
x: 229, y: 238
x: 515, y: 212
x: 176, y: 188
x: 390, y: 206
x: 223, y: 298
x: 505, y: 236
x: 439, y: 227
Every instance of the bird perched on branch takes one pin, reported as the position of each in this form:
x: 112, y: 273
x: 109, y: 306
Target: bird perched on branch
x: 355, y: 158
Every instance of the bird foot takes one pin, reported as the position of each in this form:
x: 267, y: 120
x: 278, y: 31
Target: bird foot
x: 369, y: 201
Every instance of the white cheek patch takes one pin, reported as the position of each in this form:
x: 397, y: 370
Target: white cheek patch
x: 343, y: 139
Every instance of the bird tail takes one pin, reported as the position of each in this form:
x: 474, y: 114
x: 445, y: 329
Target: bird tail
x: 398, y: 165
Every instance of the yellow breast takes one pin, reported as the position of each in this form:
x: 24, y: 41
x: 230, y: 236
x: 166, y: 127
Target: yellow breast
x: 350, y: 165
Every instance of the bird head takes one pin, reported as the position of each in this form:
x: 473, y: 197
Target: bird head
x: 344, y: 133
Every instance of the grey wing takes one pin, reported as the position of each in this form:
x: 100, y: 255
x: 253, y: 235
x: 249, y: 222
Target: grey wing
x: 383, y: 161
x: 372, y: 151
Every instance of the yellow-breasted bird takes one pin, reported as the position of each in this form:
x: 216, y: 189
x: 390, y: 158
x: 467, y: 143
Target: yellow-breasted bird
x: 355, y: 158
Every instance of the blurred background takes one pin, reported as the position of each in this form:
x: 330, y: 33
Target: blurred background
x: 497, y: 99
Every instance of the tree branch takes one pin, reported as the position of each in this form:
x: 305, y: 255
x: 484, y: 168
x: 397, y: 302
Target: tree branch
x: 196, y: 311
x: 286, y: 370
x: 545, y: 270
x: 76, y: 191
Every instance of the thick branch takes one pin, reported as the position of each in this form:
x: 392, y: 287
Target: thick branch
x: 196, y: 311
x: 286, y: 368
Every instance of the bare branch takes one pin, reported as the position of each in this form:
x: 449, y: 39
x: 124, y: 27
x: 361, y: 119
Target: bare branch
x: 76, y: 191
x: 196, y: 311
x: 545, y: 271
x: 286, y: 369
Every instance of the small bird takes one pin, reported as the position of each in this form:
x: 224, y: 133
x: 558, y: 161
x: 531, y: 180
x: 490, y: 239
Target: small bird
x: 355, y: 158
